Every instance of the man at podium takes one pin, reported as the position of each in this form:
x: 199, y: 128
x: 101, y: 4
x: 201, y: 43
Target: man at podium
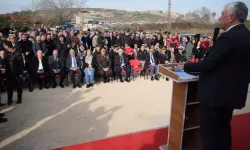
x: 224, y: 78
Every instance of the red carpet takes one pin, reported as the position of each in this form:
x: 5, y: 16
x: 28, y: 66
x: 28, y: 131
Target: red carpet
x: 151, y: 140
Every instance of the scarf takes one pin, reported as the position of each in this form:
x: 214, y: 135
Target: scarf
x: 88, y: 59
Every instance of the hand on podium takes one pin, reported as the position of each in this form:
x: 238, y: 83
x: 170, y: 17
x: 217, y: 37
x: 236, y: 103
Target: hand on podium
x: 179, y: 67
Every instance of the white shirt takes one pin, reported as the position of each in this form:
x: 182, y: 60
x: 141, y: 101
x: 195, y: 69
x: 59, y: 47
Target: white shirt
x: 73, y: 64
x: 40, y: 67
x: 152, y: 59
x: 232, y: 27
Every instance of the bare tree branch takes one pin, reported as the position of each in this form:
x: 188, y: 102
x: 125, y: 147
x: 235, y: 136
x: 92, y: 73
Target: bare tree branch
x: 202, y: 15
x: 60, y: 11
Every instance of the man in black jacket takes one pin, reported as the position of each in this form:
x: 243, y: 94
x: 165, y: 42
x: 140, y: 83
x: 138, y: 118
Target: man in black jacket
x: 121, y: 63
x: 104, y: 65
x: 224, y: 78
x: 57, y: 65
x: 25, y: 46
x: 40, y: 70
x: 63, y: 47
x: 14, y: 71
x: 39, y: 45
x: 152, y: 63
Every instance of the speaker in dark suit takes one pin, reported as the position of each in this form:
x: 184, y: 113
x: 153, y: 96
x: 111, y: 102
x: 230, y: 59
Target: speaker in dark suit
x: 224, y: 78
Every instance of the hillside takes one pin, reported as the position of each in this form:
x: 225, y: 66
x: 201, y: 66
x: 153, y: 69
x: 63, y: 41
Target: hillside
x: 156, y: 16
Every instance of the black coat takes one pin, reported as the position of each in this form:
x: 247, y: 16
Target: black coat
x: 180, y: 57
x: 103, y: 61
x: 147, y: 62
x: 35, y: 64
x: 25, y: 46
x: 162, y: 58
x: 53, y: 64
x: 63, y: 50
x: 69, y: 62
x: 112, y: 40
x: 14, y: 63
x: 137, y: 41
x: 117, y: 61
x: 225, y: 71
x: 141, y: 55
x: 42, y: 46
x: 51, y: 46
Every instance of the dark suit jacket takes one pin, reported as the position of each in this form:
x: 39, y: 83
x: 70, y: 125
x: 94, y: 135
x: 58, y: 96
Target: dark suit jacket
x: 225, y: 71
x: 63, y: 50
x: 103, y: 60
x: 53, y: 65
x: 69, y: 62
x: 117, y: 61
x: 14, y: 63
x: 162, y: 58
x: 37, y: 47
x: 141, y: 55
x: 147, y: 61
x: 35, y: 64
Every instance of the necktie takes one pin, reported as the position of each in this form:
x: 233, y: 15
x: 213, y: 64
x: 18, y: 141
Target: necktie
x: 74, y: 61
x: 57, y: 65
x: 152, y: 59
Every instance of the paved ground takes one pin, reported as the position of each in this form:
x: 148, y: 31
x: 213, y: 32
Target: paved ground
x: 50, y: 119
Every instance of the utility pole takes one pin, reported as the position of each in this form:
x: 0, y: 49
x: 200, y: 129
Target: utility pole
x: 169, y: 15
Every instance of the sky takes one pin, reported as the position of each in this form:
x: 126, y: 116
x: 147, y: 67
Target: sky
x: 181, y: 6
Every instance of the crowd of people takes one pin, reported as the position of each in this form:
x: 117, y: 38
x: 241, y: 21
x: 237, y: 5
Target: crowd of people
x: 40, y: 56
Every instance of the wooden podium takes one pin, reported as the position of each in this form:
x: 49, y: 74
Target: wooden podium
x: 184, y: 129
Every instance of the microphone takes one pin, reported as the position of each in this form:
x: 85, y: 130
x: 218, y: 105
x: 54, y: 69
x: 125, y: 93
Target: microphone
x: 216, y: 33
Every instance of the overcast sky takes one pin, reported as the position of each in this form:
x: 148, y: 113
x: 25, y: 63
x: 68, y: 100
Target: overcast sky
x: 181, y: 6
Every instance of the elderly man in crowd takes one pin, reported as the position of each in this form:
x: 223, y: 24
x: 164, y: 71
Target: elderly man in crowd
x: 41, y: 70
x: 121, y: 63
x: 73, y: 65
x: 57, y: 66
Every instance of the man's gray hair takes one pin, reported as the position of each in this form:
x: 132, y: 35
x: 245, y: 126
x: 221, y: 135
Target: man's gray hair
x: 239, y: 10
x: 71, y: 50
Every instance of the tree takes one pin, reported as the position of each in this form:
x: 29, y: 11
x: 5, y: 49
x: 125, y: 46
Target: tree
x: 202, y: 15
x: 59, y: 11
x: 4, y: 20
x: 213, y: 15
x: 205, y: 14
x: 180, y: 18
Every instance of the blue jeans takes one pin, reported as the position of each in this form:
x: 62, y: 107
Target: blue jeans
x: 89, y: 78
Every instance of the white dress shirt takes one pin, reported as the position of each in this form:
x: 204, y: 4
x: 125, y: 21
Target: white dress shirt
x: 40, y: 67
x: 74, y: 64
x: 232, y: 27
x: 152, y: 59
